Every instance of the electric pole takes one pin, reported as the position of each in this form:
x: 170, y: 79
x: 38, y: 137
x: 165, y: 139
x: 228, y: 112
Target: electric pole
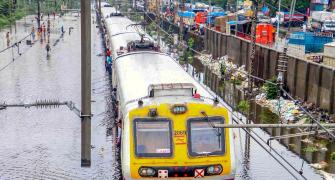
x: 100, y: 8
x: 252, y: 44
x: 181, y: 29
x: 158, y: 21
x: 86, y: 83
x: 38, y: 14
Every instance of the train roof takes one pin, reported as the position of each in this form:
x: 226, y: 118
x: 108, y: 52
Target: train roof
x: 137, y: 71
x: 121, y: 31
x: 106, y: 10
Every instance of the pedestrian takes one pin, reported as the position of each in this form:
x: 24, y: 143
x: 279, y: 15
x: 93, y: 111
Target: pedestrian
x: 116, y: 109
x: 48, y: 28
x: 62, y: 30
x: 109, y: 64
x: 196, y: 95
x: 8, y: 39
x: 70, y: 28
x: 48, y: 48
x: 119, y: 134
x: 54, y: 15
x: 33, y: 33
x: 114, y: 95
x: 44, y: 31
x: 108, y: 52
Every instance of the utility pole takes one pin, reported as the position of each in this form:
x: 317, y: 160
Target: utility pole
x: 38, y: 14
x: 86, y: 83
x: 158, y: 21
x: 181, y: 29
x: 252, y: 44
x: 10, y: 15
x: 100, y: 8
x: 278, y: 21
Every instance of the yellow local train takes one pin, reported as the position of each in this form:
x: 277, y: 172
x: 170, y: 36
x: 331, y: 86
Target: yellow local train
x: 167, y: 116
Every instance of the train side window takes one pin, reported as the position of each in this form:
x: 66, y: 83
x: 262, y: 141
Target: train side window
x: 203, y: 139
x: 153, y: 137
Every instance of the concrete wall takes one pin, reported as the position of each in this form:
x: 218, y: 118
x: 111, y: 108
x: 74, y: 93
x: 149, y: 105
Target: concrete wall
x: 305, y: 80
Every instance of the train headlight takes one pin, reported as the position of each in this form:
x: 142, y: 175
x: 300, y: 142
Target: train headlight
x: 146, y: 172
x: 178, y: 109
x: 214, y: 170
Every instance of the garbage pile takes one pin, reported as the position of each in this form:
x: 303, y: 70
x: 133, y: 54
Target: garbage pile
x: 211, y: 63
x: 226, y: 69
x: 286, y: 109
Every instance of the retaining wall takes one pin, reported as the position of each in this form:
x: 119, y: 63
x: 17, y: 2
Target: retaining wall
x: 305, y: 80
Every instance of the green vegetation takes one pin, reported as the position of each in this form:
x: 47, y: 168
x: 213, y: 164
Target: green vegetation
x: 310, y: 149
x: 271, y: 90
x: 221, y: 85
x: 168, y: 39
x: 243, y: 107
x: 235, y: 81
x: 187, y: 57
x: 332, y: 155
x: 9, y: 12
x: 268, y: 117
x: 301, y: 5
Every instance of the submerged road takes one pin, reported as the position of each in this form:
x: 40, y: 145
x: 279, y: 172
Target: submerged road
x: 45, y: 143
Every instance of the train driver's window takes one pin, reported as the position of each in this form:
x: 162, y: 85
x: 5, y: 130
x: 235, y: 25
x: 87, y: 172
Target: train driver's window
x: 203, y: 139
x: 153, y: 137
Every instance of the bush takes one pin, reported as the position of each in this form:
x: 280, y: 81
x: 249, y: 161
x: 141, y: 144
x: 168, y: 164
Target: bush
x: 332, y: 155
x: 243, y: 107
x: 271, y: 90
x: 310, y: 149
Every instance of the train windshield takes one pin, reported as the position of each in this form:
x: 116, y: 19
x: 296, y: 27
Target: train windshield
x: 153, y: 138
x: 203, y: 139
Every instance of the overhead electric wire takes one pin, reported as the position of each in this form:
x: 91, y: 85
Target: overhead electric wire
x: 264, y: 80
x: 251, y: 130
x: 258, y: 135
x: 14, y: 44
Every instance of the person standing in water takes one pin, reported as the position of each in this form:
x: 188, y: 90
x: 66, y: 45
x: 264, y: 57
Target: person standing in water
x: 48, y: 48
x: 8, y: 39
x: 33, y: 33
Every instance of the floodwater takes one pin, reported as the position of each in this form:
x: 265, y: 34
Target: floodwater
x: 45, y: 143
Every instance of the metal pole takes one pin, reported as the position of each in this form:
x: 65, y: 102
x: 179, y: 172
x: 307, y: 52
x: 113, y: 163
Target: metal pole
x: 38, y: 14
x: 236, y: 16
x: 100, y: 8
x: 158, y: 21
x: 271, y: 125
x: 181, y: 29
x: 278, y: 21
x: 209, y: 12
x: 86, y: 83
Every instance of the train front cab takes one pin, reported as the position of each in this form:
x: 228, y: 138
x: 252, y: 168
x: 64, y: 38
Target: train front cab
x: 165, y: 142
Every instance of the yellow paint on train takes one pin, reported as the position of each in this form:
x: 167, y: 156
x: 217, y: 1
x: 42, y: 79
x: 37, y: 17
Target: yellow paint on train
x: 180, y: 156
